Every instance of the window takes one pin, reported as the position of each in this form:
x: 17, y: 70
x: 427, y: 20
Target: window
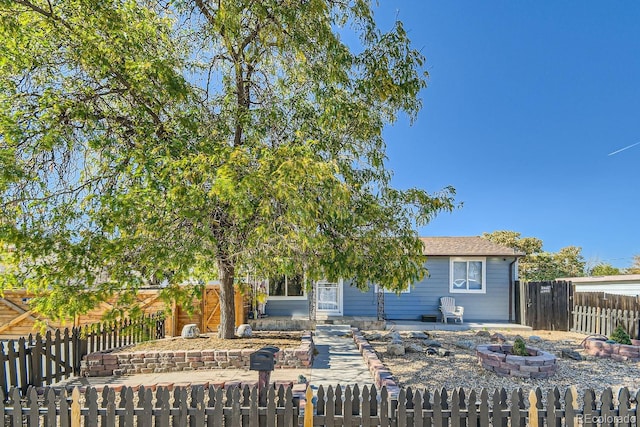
x: 286, y: 286
x: 467, y: 275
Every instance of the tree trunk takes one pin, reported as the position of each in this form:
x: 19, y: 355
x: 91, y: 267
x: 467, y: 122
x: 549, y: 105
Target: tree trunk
x: 227, y: 309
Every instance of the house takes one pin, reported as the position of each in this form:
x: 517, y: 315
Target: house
x: 478, y: 273
x: 623, y: 284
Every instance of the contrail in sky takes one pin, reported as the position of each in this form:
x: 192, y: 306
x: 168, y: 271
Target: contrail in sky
x: 622, y: 149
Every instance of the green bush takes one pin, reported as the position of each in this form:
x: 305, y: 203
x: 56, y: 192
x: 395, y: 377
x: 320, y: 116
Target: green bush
x: 519, y: 348
x: 621, y: 336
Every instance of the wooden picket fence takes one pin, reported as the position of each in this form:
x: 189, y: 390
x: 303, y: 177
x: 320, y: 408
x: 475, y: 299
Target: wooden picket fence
x: 236, y: 406
x: 603, y: 321
x: 41, y: 360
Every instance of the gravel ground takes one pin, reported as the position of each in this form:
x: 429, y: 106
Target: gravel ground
x: 431, y: 372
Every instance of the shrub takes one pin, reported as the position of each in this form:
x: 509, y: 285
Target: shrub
x: 621, y: 336
x: 519, y: 348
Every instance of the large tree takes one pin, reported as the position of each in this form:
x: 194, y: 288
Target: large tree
x: 143, y: 141
x: 538, y: 265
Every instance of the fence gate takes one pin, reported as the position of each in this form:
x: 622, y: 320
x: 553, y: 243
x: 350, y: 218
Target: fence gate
x: 211, y: 309
x: 546, y: 305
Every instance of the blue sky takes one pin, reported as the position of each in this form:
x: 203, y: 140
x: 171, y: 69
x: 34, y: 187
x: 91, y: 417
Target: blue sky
x: 524, y: 103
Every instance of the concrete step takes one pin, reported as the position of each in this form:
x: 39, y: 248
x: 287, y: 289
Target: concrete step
x: 332, y: 330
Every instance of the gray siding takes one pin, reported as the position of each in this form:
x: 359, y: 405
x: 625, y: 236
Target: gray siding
x: 424, y: 297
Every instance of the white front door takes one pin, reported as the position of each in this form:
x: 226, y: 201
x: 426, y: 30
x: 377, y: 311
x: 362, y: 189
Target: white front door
x: 329, y: 298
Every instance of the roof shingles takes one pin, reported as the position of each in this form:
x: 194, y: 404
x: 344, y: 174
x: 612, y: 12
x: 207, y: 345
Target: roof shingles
x: 465, y: 246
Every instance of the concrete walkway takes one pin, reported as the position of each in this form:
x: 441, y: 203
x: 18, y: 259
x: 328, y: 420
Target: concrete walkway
x: 338, y: 360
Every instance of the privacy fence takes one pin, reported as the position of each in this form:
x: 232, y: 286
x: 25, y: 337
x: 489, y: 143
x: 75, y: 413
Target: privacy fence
x: 235, y: 406
x: 605, y: 300
x: 39, y: 360
x: 544, y: 305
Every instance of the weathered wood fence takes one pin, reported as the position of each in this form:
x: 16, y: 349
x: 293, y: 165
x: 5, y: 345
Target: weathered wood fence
x: 603, y: 321
x: 605, y: 300
x: 40, y: 360
x: 200, y: 406
x: 544, y: 305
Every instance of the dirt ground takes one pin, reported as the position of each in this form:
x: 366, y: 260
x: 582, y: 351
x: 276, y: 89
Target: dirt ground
x: 282, y: 340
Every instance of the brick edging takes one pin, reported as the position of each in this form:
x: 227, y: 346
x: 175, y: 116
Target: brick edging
x: 107, y: 363
x: 498, y: 358
x: 620, y: 352
x: 381, y: 374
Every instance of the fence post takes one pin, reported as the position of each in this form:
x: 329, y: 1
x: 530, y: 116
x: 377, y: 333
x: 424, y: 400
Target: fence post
x: 75, y: 408
x: 308, y: 408
x: 571, y: 406
x: 36, y: 359
x: 533, y: 409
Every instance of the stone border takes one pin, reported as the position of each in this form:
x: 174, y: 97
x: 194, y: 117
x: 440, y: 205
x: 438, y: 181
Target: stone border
x: 381, y: 374
x: 497, y: 358
x: 107, y: 363
x: 596, y: 346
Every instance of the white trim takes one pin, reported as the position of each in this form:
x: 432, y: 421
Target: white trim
x: 340, y: 303
x: 455, y: 290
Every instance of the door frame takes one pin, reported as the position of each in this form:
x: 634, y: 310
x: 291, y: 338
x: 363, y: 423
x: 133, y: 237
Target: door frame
x: 340, y: 299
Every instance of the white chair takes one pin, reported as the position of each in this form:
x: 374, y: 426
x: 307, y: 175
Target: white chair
x: 449, y: 308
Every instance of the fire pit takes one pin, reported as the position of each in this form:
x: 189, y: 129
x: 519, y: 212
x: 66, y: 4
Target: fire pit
x: 498, y: 358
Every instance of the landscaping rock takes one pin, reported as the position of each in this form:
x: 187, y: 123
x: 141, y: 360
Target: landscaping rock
x: 483, y: 334
x: 535, y: 338
x: 190, y: 331
x: 413, y: 348
x: 498, y: 337
x: 444, y: 353
x: 419, y: 335
x: 373, y: 336
x: 432, y: 343
x: 393, y: 336
x: 571, y: 354
x: 468, y: 344
x: 431, y: 351
x: 244, y: 331
x: 395, y: 349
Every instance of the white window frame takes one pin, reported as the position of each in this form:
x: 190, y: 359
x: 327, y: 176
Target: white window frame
x: 454, y: 290
x: 287, y: 297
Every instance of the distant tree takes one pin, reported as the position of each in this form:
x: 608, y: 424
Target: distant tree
x: 569, y: 262
x: 512, y: 239
x: 604, y: 269
x: 635, y: 267
x: 538, y: 265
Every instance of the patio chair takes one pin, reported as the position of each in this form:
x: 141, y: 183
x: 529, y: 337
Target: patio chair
x: 449, y: 308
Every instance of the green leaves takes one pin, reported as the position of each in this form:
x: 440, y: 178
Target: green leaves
x: 538, y: 265
x: 157, y: 142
